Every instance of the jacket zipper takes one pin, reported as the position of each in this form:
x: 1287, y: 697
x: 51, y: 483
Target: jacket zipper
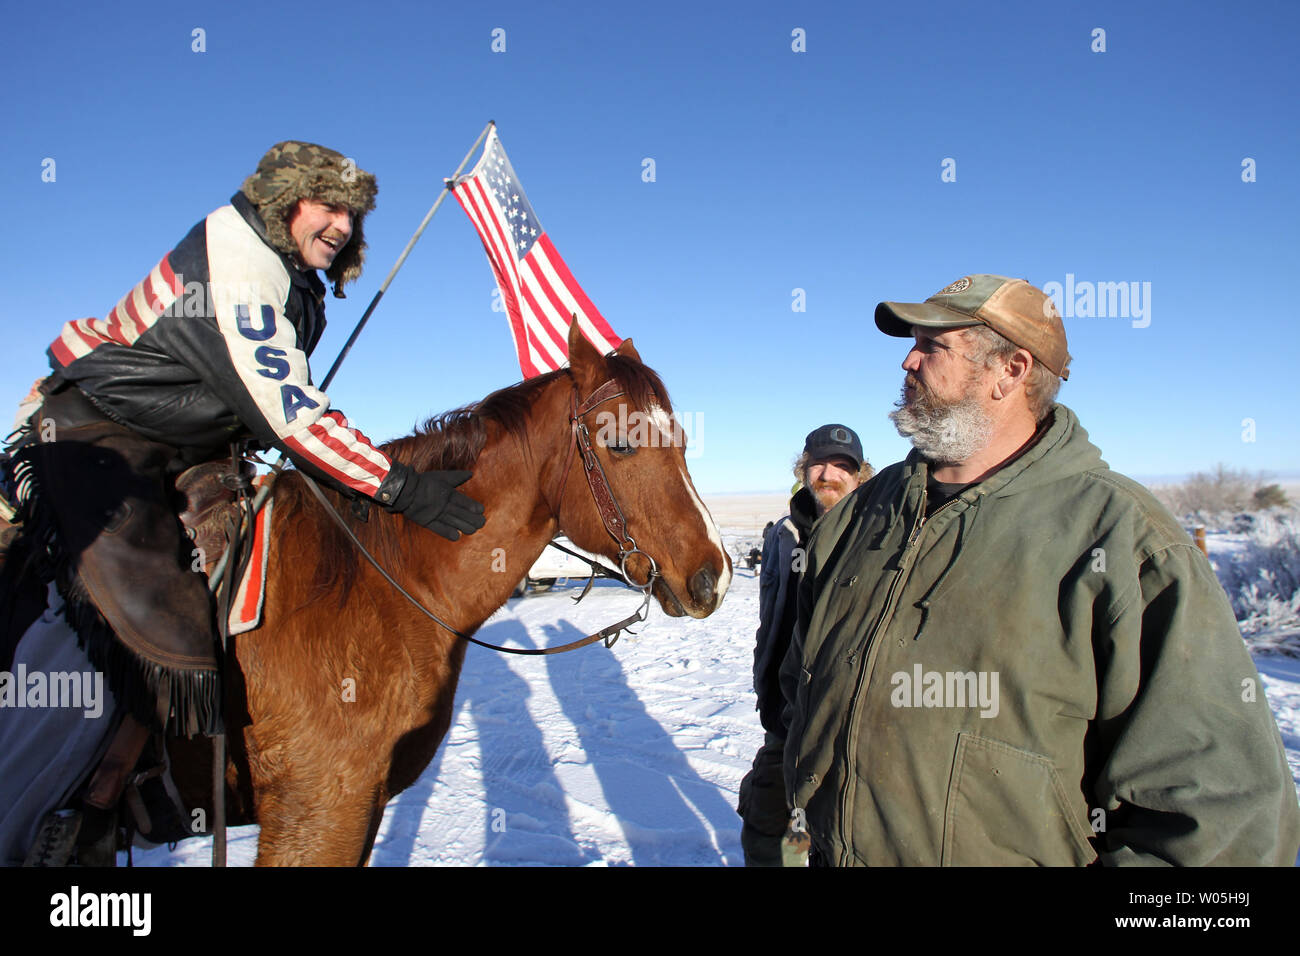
x: 869, y: 649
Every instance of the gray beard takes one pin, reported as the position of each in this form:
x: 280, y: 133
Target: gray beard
x: 946, y: 436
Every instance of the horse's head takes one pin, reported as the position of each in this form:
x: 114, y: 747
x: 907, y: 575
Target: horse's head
x: 624, y: 491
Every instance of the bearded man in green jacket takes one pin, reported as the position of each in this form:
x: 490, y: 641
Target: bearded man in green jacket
x: 1008, y: 654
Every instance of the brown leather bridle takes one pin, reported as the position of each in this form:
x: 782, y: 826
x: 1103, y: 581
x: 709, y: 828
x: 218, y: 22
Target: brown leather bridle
x: 606, y: 504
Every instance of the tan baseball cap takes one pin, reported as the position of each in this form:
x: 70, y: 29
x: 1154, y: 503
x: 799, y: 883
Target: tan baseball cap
x: 1013, y: 308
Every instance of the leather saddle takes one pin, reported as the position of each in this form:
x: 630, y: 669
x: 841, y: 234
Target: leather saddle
x: 212, y: 511
x: 130, y: 786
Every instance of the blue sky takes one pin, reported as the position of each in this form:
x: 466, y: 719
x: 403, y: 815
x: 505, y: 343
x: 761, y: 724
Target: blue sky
x: 775, y: 170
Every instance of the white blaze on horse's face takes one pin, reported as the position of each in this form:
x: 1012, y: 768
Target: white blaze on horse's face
x: 724, y: 579
x: 664, y: 422
x: 671, y: 435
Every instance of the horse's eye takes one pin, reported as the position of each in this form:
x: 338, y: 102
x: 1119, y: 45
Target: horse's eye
x: 614, y: 435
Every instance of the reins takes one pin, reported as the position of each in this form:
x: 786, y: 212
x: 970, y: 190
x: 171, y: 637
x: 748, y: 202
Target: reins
x: 606, y: 504
x: 612, y: 517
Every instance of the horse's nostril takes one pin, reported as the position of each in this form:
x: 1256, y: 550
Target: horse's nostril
x: 703, y: 583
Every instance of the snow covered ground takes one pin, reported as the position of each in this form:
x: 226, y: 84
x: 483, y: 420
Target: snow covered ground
x: 629, y: 756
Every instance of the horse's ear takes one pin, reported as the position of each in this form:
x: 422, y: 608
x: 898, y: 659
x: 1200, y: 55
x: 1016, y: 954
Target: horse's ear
x: 587, y: 364
x: 628, y: 350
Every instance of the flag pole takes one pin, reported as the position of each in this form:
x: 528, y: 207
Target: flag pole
x: 361, y: 324
x: 279, y: 464
x: 219, y: 743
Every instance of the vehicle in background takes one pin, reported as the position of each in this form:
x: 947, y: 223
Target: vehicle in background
x: 554, y: 565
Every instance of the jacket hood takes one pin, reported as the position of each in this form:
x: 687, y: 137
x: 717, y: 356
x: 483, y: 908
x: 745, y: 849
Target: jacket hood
x: 803, y: 512
x: 1071, y: 453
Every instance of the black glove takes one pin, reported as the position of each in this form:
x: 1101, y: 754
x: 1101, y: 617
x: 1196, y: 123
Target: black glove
x: 430, y: 498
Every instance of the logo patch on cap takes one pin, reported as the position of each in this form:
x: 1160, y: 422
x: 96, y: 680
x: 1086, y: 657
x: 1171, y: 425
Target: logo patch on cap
x: 961, y: 285
x: 840, y: 435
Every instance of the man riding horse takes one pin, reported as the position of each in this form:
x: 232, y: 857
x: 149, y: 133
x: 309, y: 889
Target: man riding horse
x: 209, y: 349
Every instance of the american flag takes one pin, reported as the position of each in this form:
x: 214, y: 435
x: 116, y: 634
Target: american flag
x: 541, y: 296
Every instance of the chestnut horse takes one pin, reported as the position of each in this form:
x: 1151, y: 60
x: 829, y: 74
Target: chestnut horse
x: 341, y: 698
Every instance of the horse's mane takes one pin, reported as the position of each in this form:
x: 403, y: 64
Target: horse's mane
x: 451, y: 441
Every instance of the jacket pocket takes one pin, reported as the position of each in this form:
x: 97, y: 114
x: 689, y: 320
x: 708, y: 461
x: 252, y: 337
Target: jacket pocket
x: 1008, y: 807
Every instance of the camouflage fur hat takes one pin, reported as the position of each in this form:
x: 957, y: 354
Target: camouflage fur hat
x: 294, y: 170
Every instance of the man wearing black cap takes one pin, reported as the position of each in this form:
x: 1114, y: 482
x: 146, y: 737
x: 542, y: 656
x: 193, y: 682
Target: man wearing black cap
x: 1008, y: 654
x: 831, y: 466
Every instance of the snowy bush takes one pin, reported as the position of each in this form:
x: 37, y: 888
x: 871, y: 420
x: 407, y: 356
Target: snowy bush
x: 1262, y: 577
x: 1215, y: 498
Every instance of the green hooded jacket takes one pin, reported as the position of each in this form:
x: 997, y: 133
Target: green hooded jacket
x: 1043, y: 671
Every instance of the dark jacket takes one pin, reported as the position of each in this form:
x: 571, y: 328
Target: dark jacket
x: 1044, y: 671
x: 783, y: 559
